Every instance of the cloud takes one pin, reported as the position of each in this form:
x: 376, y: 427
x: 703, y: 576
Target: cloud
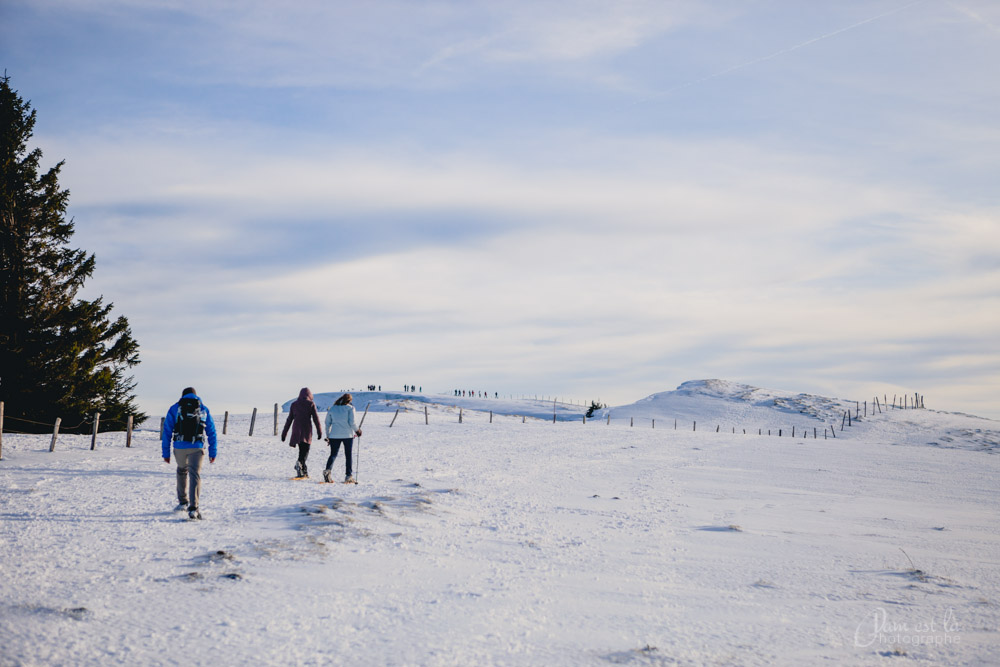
x: 372, y: 44
x: 336, y: 193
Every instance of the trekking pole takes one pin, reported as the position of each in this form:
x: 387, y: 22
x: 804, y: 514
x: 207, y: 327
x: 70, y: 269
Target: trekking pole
x: 357, y: 459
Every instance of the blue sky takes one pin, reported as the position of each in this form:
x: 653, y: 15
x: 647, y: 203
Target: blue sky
x: 574, y: 199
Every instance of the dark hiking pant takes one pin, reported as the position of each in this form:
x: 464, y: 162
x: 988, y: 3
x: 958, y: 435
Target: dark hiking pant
x: 335, y: 449
x: 303, y: 455
x: 189, y: 475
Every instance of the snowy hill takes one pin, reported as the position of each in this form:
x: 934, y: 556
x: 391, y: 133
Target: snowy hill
x: 721, y: 401
x: 388, y: 401
x: 716, y: 405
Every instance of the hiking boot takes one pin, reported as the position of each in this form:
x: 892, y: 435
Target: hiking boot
x: 349, y: 479
x: 181, y: 506
x: 194, y: 514
x: 327, y: 477
x: 299, y: 472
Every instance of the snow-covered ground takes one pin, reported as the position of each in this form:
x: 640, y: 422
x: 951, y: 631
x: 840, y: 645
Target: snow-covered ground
x: 521, y: 541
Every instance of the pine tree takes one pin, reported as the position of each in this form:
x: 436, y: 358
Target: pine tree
x: 60, y: 356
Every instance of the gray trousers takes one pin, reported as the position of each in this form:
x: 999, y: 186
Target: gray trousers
x: 189, y: 475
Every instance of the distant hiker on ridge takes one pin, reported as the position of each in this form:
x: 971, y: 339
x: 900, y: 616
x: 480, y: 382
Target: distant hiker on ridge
x: 341, y: 429
x: 187, y: 426
x: 301, y: 416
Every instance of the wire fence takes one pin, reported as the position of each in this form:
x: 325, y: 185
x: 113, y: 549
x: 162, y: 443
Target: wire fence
x: 270, y: 424
x: 83, y: 428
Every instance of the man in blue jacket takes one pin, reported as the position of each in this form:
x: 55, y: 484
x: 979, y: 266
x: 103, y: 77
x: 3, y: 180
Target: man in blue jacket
x: 188, y: 426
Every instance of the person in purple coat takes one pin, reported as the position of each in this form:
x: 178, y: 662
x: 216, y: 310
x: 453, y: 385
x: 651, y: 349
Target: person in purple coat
x: 302, y: 415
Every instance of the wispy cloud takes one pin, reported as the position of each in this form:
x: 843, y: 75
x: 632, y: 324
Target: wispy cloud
x: 446, y: 193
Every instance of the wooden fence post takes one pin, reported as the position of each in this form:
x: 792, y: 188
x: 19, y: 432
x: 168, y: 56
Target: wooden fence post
x: 225, y: 422
x: 427, y: 420
x: 253, y: 418
x: 364, y: 416
x: 128, y: 432
x: 609, y: 419
x: 393, y: 418
x: 276, y: 419
x: 553, y: 418
x: 694, y: 427
x: 491, y: 416
x: 93, y: 438
x: 55, y: 434
x: 162, y: 423
x: 793, y: 431
x: 654, y: 423
x: 460, y: 415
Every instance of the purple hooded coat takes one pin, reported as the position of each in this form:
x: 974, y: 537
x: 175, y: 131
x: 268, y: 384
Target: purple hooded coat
x: 299, y: 414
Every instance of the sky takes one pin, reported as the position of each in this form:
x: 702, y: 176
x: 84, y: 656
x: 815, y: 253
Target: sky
x: 582, y: 200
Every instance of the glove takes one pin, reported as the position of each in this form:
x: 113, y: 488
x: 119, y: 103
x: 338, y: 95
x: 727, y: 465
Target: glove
x: 211, y: 459
x: 166, y: 459
x: 358, y: 432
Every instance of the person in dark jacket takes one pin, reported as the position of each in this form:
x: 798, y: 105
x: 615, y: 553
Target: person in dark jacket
x: 302, y: 415
x: 187, y: 427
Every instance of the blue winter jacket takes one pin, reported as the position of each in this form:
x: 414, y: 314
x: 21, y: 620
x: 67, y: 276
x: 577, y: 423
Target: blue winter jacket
x: 171, y: 421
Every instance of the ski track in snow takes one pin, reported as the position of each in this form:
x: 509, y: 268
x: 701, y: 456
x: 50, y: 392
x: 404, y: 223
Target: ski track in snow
x: 518, y: 542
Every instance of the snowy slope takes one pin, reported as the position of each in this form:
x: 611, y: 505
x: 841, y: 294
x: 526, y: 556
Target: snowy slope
x: 733, y: 405
x: 516, y: 542
x: 388, y: 401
